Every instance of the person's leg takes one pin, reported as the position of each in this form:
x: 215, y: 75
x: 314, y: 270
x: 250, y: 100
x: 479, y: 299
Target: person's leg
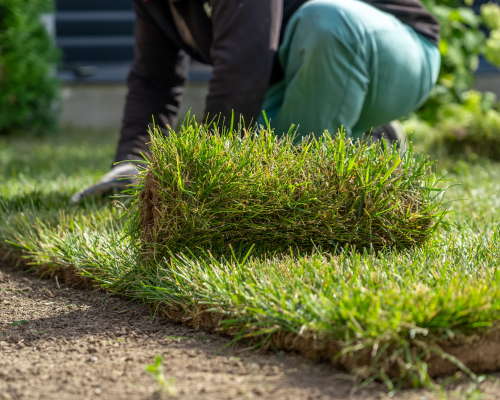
x: 324, y: 57
x: 342, y: 59
x: 407, y: 69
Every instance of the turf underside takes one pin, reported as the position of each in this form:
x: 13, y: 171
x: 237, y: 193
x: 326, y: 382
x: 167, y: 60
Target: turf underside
x: 386, y: 311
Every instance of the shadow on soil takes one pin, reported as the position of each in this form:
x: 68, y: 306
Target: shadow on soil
x: 85, y: 322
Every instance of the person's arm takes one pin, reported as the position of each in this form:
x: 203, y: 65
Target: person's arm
x: 155, y: 86
x: 245, y: 41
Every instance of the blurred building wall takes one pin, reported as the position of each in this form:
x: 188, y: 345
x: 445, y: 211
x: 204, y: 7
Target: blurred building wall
x: 100, y: 105
x: 97, y: 45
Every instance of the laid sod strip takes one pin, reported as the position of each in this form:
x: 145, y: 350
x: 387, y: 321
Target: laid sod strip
x: 388, y: 314
x: 210, y: 192
x: 386, y: 309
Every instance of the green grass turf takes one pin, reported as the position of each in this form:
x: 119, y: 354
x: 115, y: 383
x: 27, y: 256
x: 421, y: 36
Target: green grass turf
x: 384, y: 302
x: 210, y: 192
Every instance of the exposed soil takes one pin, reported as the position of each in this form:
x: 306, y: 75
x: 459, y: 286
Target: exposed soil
x: 57, y: 342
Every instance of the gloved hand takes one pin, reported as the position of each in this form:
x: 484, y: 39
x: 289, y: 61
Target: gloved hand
x: 116, y: 180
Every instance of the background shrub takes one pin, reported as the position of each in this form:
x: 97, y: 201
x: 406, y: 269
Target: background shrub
x: 462, y: 42
x: 456, y: 119
x: 28, y: 86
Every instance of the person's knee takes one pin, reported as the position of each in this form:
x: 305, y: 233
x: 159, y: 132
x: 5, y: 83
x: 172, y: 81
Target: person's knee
x: 326, y: 21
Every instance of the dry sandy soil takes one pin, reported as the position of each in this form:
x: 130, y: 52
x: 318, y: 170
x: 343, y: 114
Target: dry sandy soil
x: 57, y: 342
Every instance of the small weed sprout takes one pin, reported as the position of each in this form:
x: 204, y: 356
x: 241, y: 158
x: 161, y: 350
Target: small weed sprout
x: 16, y: 323
x: 156, y: 370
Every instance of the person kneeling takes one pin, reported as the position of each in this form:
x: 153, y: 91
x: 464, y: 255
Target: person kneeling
x: 317, y: 64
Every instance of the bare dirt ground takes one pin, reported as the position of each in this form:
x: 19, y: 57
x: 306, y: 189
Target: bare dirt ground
x: 57, y: 342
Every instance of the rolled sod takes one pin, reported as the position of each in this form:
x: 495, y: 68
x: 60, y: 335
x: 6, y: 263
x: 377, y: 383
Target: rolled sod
x: 226, y: 192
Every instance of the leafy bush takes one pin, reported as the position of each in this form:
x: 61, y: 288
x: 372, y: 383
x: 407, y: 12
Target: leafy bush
x: 456, y: 119
x: 28, y: 87
x: 214, y: 191
x: 462, y: 42
x: 469, y: 129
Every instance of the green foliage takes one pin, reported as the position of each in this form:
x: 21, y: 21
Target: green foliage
x: 28, y: 87
x: 491, y: 16
x: 493, y: 47
x: 462, y: 41
x: 472, y: 127
x: 206, y: 191
x: 454, y: 118
x: 469, y: 129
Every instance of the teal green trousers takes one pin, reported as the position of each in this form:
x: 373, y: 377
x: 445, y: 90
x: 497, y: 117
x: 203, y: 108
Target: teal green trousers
x: 348, y: 64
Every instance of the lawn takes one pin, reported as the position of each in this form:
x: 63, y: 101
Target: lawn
x: 390, y: 313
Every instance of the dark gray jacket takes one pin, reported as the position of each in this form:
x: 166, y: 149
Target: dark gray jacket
x: 240, y: 38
